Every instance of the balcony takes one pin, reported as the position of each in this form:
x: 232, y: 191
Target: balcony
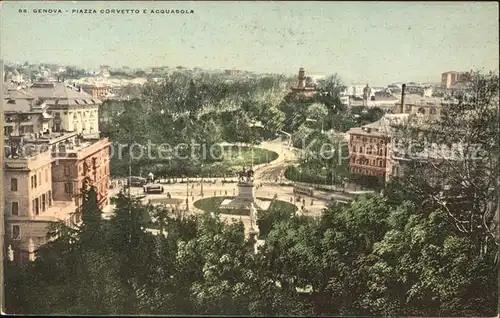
x: 58, y: 211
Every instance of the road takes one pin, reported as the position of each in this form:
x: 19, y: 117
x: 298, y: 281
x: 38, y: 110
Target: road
x: 266, y: 187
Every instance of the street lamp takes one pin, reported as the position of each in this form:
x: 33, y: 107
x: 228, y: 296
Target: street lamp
x: 326, y: 174
x: 187, y: 194
x: 201, y: 190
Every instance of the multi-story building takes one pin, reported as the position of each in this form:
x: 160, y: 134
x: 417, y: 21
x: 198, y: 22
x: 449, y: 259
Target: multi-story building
x: 97, y: 92
x: 77, y: 163
x: 368, y: 146
x: 29, y: 204
x: 24, y: 116
x: 417, y: 104
x: 449, y: 79
x: 46, y: 168
x: 417, y: 89
x: 73, y: 110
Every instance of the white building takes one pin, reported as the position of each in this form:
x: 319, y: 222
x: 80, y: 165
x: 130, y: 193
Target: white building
x: 72, y: 109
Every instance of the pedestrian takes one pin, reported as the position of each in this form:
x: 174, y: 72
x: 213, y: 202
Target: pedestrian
x: 291, y: 199
x: 312, y: 201
x: 303, y: 201
x: 225, y: 192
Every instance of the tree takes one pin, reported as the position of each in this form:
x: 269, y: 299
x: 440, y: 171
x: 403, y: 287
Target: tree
x: 456, y: 158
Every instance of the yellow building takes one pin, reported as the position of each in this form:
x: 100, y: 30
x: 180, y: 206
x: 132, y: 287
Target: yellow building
x: 48, y: 159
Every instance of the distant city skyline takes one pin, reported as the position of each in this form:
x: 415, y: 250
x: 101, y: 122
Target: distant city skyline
x: 375, y: 43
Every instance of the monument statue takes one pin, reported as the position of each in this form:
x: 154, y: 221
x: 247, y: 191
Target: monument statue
x: 367, y: 92
x: 253, y: 216
x: 245, y: 176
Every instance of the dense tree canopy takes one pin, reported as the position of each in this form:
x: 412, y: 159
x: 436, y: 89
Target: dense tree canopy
x: 374, y: 257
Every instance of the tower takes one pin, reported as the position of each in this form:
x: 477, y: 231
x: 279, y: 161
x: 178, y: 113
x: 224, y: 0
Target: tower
x: 301, y: 83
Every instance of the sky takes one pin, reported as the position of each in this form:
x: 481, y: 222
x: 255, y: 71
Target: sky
x: 376, y: 43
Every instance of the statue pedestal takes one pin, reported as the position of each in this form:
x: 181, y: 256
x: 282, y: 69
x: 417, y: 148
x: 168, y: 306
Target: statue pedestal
x: 245, y: 190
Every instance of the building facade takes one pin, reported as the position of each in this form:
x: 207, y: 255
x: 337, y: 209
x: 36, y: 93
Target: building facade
x: 370, y: 146
x: 72, y: 109
x: 29, y: 205
x: 79, y: 163
x: 47, y: 166
x: 450, y: 79
x: 417, y: 104
x: 97, y: 92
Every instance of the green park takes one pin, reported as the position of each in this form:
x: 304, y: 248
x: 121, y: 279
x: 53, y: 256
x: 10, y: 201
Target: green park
x: 402, y: 252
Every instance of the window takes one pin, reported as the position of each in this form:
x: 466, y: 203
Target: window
x: 49, y: 197
x: 66, y: 171
x: 34, y: 178
x: 39, y: 178
x: 68, y: 187
x: 46, y: 175
x: 36, y: 207
x: 15, y: 208
x: 13, y: 184
x: 43, y: 202
x: 16, y: 232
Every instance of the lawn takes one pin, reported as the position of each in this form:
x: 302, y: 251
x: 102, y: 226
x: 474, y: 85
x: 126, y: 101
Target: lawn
x: 238, y: 157
x: 227, y: 162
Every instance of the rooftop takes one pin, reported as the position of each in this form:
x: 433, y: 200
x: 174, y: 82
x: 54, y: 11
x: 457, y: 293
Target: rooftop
x: 13, y: 105
x: 53, y: 93
x: 416, y: 99
x: 382, y: 127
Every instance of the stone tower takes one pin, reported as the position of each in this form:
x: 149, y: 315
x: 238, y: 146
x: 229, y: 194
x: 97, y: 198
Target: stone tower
x: 301, y: 80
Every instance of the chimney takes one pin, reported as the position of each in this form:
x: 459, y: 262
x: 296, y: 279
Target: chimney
x: 402, y: 107
x: 302, y: 78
